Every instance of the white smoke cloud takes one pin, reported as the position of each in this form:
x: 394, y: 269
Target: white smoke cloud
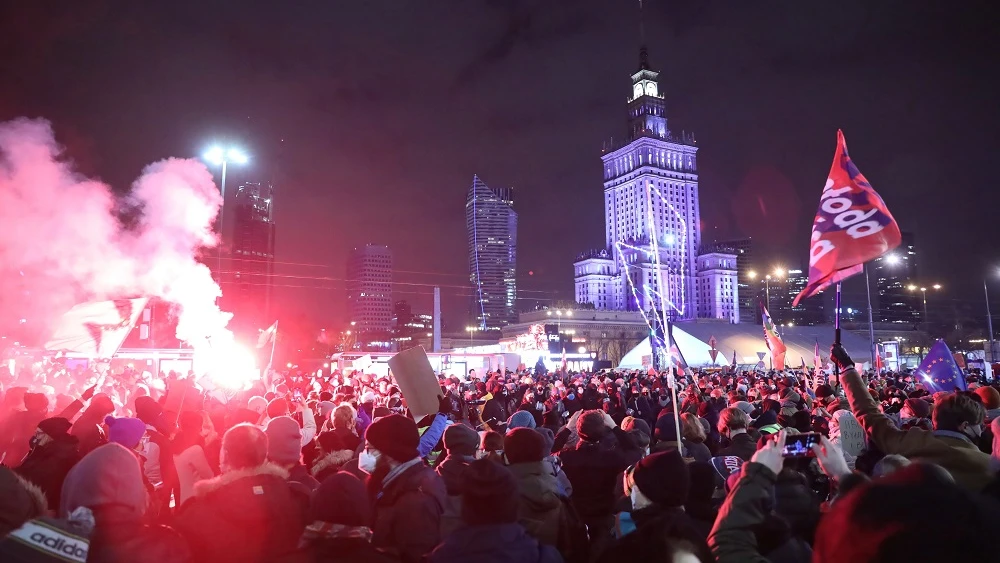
x: 62, y: 243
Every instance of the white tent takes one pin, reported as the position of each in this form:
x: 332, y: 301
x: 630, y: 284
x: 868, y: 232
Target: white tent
x: 694, y: 351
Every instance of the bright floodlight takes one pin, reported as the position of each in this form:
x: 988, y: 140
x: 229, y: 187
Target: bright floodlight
x: 779, y: 272
x: 215, y: 155
x: 752, y: 275
x: 569, y: 313
x: 668, y: 239
x: 892, y: 259
x: 937, y: 286
x: 237, y: 156
x: 911, y: 287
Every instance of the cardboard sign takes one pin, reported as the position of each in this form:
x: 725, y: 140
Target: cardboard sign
x: 416, y: 380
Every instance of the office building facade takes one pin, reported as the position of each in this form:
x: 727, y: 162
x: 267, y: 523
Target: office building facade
x: 252, y: 263
x: 491, y: 223
x: 369, y: 289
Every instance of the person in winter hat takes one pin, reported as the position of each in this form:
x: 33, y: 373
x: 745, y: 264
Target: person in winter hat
x: 53, y: 452
x: 491, y: 533
x: 554, y: 463
x: 127, y: 432
x: 21, y: 426
x: 106, y: 488
x: 521, y: 419
x: 460, y: 443
x: 284, y: 449
x: 594, y: 472
x: 657, y: 521
x: 340, y: 519
x: 249, y: 513
x: 88, y: 427
x: 158, y: 455
x: 409, y: 496
x: 540, y: 503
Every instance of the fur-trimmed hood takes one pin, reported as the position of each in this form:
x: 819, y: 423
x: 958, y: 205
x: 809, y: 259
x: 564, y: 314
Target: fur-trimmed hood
x: 332, y: 459
x: 208, y: 486
x: 20, y: 500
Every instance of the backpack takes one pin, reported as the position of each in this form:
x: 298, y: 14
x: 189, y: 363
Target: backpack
x: 572, y: 539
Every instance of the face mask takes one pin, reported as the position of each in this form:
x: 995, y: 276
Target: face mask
x: 579, y: 390
x: 975, y: 432
x: 367, y: 462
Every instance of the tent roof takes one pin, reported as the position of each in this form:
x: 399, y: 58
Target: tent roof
x: 747, y: 340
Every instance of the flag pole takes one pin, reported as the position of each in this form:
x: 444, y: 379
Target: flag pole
x: 836, y: 327
x: 274, y: 340
x: 871, y: 323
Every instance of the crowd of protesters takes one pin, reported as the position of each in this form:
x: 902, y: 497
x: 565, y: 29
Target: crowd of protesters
x: 525, y: 467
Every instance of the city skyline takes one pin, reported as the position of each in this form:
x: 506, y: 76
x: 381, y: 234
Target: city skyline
x: 377, y: 126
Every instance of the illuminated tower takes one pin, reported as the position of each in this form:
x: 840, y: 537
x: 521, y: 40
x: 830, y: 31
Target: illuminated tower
x: 491, y: 223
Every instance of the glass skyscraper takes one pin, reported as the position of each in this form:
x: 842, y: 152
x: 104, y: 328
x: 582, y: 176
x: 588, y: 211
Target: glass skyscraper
x: 492, y: 233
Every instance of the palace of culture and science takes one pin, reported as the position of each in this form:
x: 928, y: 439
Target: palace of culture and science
x: 651, y: 258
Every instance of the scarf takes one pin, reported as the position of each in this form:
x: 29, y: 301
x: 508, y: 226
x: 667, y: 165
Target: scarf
x: 320, y: 530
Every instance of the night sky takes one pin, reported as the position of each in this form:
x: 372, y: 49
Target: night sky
x: 372, y: 117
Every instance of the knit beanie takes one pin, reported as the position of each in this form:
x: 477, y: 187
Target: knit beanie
x: 590, y: 426
x: 459, y: 439
x: 523, y: 445
x: 823, y: 391
x: 549, y: 437
x: 666, y: 428
x: 55, y: 427
x: 109, y: 475
x: 745, y: 407
x: 147, y: 410
x: 341, y: 499
x: 919, y: 407
x: 125, y: 431
x: 663, y: 478
x: 489, y: 494
x: 521, y: 419
x: 284, y: 440
x: 725, y: 465
x: 395, y: 436
x: 243, y: 446
x: 46, y: 539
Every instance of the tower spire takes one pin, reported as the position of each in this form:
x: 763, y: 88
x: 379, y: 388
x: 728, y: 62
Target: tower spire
x: 643, y: 53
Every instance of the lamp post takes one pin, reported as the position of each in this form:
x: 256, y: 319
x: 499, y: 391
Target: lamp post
x: 472, y: 335
x: 218, y: 156
x: 989, y: 324
x: 923, y: 296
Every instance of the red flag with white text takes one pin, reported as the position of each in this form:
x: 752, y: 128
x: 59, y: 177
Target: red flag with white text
x: 852, y: 226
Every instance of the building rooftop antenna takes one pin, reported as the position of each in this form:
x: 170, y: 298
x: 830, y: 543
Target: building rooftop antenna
x: 643, y: 53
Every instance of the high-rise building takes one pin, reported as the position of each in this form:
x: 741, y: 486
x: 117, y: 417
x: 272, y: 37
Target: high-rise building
x: 409, y: 328
x: 890, y: 274
x: 249, y: 295
x: 369, y: 289
x: 651, y: 214
x: 717, y: 292
x: 808, y: 311
x: 745, y: 274
x: 492, y: 232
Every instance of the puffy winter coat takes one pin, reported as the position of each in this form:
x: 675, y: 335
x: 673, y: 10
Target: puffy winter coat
x: 408, y: 513
x: 505, y: 543
x: 539, y: 506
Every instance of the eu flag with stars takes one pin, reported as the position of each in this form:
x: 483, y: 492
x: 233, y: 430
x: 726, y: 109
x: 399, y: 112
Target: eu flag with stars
x: 939, y: 372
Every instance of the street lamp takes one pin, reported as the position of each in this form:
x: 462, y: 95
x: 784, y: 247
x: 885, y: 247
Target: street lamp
x: 219, y: 156
x: 989, y: 322
x: 923, y: 295
x: 472, y: 335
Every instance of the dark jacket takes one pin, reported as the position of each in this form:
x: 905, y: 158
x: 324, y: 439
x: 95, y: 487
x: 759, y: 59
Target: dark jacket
x: 540, y: 505
x: 496, y: 413
x: 46, y: 466
x: 408, y: 513
x: 349, y: 439
x: 298, y: 476
x: 119, y: 537
x: 451, y: 470
x: 698, y: 450
x: 346, y: 550
x: 744, y: 515
x: 593, y: 471
x: 244, y: 516
x: 971, y: 468
x: 504, y: 543
x: 656, y: 528
x: 742, y: 446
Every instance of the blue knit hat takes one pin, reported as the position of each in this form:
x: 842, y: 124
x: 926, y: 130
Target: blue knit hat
x: 521, y: 419
x: 125, y: 431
